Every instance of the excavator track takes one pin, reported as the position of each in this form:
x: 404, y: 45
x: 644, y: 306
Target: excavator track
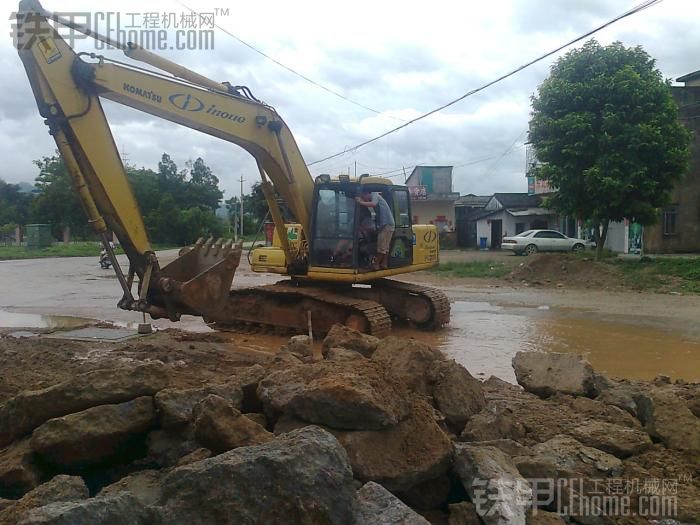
x: 284, y: 308
x: 427, y: 308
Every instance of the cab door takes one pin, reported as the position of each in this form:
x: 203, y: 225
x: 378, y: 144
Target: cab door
x: 401, y: 250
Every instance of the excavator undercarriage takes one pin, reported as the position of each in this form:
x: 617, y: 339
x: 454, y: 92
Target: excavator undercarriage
x: 290, y: 306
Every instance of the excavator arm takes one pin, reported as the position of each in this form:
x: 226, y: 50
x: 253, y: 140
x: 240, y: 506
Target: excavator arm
x: 68, y: 88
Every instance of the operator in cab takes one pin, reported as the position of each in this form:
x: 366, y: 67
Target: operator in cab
x: 385, y: 225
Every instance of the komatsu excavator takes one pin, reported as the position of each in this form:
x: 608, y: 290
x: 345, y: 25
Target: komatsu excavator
x: 325, y: 252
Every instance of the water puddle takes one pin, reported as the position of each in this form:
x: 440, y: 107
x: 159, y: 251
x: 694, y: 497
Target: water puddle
x: 484, y: 338
x: 21, y: 320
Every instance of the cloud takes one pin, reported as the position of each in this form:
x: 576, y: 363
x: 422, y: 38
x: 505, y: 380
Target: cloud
x: 400, y: 58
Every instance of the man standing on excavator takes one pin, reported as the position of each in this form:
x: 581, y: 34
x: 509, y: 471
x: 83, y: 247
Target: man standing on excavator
x: 385, y: 225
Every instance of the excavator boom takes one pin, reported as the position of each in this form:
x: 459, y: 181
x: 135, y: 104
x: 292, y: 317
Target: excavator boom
x: 68, y: 87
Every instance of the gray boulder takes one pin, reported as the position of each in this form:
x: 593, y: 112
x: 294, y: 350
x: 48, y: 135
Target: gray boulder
x: 26, y: 411
x: 666, y: 417
x: 457, y: 395
x: 175, y: 405
x: 493, y: 483
x: 341, y: 336
x: 95, y: 434
x: 59, y: 488
x: 219, y: 426
x: 301, y: 477
x: 333, y: 394
x: 617, y: 440
x: 120, y: 508
x: 378, y: 506
x: 572, y: 456
x: 545, y: 373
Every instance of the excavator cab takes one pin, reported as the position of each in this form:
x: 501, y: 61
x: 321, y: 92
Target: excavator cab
x: 344, y: 233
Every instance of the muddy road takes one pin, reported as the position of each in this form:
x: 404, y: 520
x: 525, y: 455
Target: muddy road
x: 623, y: 334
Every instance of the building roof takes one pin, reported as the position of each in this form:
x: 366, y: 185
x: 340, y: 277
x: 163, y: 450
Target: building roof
x: 474, y: 201
x: 690, y: 76
x: 518, y: 200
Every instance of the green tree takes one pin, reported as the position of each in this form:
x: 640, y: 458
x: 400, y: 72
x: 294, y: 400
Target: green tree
x: 15, y: 205
x: 204, y: 186
x: 56, y: 201
x: 606, y: 129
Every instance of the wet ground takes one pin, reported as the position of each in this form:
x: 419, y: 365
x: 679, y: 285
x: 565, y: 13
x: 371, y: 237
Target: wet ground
x: 623, y: 334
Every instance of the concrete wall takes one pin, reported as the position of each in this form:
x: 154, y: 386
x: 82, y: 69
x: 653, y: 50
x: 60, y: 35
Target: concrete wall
x: 686, y: 195
x: 427, y: 212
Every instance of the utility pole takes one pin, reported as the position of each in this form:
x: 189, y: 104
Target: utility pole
x: 241, y: 207
x: 355, y: 169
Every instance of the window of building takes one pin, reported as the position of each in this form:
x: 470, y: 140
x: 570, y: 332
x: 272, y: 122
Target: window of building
x: 519, y: 227
x: 669, y: 221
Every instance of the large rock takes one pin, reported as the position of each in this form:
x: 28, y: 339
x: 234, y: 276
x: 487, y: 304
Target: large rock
x: 399, y: 457
x: 410, y: 361
x: 571, y: 456
x: 457, y: 394
x: 18, y: 473
x: 219, y: 426
x: 144, y: 485
x: 544, y: 373
x: 26, y: 411
x: 300, y: 345
x: 302, y: 477
x: 494, y: 422
x: 167, y: 447
x: 333, y: 394
x: 666, y: 417
x: 175, y: 405
x: 493, y: 483
x: 617, y: 393
x: 247, y: 379
x: 463, y: 513
x: 95, y: 434
x: 378, y: 506
x: 341, y: 336
x: 121, y: 508
x: 59, y: 488
x: 617, y: 440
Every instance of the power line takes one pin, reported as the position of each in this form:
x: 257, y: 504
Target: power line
x: 640, y: 7
x: 294, y: 72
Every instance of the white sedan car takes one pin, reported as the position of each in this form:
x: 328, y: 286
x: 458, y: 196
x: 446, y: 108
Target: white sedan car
x: 533, y: 241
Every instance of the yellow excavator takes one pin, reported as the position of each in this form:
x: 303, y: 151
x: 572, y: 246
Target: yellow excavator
x: 326, y: 252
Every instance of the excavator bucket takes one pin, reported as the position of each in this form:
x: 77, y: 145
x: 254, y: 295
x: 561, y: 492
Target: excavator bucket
x: 199, y: 280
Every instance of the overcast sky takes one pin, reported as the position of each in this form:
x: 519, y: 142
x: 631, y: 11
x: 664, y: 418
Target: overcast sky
x: 402, y: 58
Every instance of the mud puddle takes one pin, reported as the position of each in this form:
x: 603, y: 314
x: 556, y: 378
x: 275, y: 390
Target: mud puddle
x: 24, y: 320
x: 484, y: 338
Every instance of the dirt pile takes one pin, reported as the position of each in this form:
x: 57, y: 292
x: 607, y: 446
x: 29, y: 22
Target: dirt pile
x: 570, y: 271
x: 398, y: 434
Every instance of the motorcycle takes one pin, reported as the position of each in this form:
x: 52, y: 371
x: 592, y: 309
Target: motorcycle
x: 105, y: 261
